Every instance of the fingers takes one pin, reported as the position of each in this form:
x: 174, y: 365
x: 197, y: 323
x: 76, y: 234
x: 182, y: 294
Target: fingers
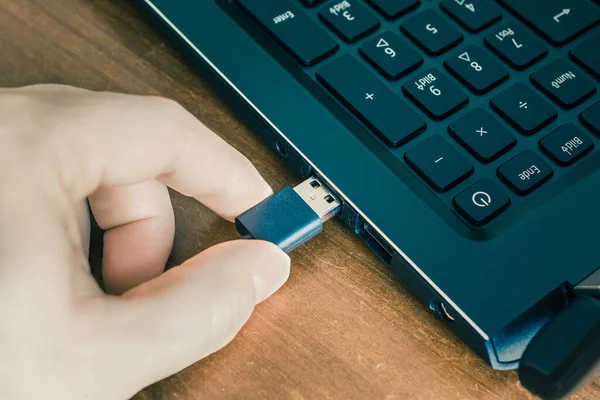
x: 189, y: 312
x: 140, y: 226
x: 112, y: 139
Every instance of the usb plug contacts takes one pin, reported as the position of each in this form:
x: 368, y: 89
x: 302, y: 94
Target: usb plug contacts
x: 291, y: 216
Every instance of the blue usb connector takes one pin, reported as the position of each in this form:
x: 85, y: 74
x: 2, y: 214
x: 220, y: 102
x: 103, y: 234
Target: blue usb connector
x: 291, y: 216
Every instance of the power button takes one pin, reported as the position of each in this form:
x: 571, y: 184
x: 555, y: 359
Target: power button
x: 481, y: 202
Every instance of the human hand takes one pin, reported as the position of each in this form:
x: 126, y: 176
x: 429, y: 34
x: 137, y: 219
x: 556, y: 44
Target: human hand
x: 61, y: 337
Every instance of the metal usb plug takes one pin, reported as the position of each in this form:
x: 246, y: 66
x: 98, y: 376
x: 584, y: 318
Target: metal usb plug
x: 291, y: 216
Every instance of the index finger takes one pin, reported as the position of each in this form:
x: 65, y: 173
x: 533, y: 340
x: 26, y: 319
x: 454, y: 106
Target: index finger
x: 113, y: 139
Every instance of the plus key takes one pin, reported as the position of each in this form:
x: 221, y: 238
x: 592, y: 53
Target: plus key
x: 371, y: 101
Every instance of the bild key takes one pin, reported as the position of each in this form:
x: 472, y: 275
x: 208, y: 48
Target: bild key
x: 567, y: 144
x: 349, y: 19
x: 435, y: 94
x: 525, y: 172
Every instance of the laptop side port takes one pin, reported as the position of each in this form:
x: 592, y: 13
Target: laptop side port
x: 375, y: 241
x: 442, y: 310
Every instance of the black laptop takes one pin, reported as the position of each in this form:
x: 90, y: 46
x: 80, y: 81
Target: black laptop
x: 462, y: 136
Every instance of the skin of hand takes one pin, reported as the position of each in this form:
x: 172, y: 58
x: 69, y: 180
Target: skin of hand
x: 61, y: 336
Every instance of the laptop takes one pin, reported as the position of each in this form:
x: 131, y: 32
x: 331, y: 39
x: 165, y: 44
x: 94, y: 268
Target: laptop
x: 462, y: 136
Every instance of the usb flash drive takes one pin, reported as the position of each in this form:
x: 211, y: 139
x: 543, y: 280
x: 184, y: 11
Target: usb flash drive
x: 291, y: 216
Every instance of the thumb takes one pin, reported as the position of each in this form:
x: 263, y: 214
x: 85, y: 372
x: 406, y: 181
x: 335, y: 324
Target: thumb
x: 189, y: 312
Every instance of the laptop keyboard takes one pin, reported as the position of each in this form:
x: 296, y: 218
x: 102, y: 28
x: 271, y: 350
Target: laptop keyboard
x: 374, y: 57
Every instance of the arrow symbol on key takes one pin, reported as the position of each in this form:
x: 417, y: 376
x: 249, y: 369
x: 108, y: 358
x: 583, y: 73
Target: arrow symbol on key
x: 382, y: 43
x: 566, y: 11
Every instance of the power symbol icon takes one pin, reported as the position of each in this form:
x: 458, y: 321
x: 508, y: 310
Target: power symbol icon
x: 482, y: 199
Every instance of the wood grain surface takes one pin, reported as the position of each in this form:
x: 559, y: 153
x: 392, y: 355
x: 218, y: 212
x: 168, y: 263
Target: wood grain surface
x: 343, y: 327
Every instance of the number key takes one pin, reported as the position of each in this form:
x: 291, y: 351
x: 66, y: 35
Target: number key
x: 430, y: 31
x: 391, y: 55
x: 476, y: 69
x: 435, y: 94
x: 474, y: 15
x: 515, y: 45
x: 349, y: 19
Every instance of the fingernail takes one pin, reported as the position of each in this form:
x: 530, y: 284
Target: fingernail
x: 272, y: 272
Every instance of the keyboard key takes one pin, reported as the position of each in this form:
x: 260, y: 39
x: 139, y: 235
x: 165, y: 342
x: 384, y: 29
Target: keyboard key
x: 515, y: 45
x: 476, y: 69
x: 558, y: 20
x: 389, y: 54
x: 435, y: 94
x: 564, y: 83
x: 591, y: 118
x: 430, y: 31
x: 482, y: 135
x: 376, y: 105
x: 394, y: 9
x: 474, y: 15
x: 306, y: 41
x: 440, y: 164
x: 526, y: 172
x: 480, y: 203
x: 523, y: 108
x: 567, y: 144
x: 588, y: 56
x: 349, y: 19
x: 311, y: 3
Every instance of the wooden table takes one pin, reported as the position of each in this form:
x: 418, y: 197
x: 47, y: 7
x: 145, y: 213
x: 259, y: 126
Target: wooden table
x: 343, y: 327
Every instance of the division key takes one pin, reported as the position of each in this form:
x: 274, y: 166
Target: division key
x: 524, y: 108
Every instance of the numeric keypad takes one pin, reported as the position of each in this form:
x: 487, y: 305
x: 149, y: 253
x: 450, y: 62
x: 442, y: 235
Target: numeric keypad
x: 476, y: 69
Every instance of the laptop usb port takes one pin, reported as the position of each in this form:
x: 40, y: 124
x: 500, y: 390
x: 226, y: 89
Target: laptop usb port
x: 377, y: 243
